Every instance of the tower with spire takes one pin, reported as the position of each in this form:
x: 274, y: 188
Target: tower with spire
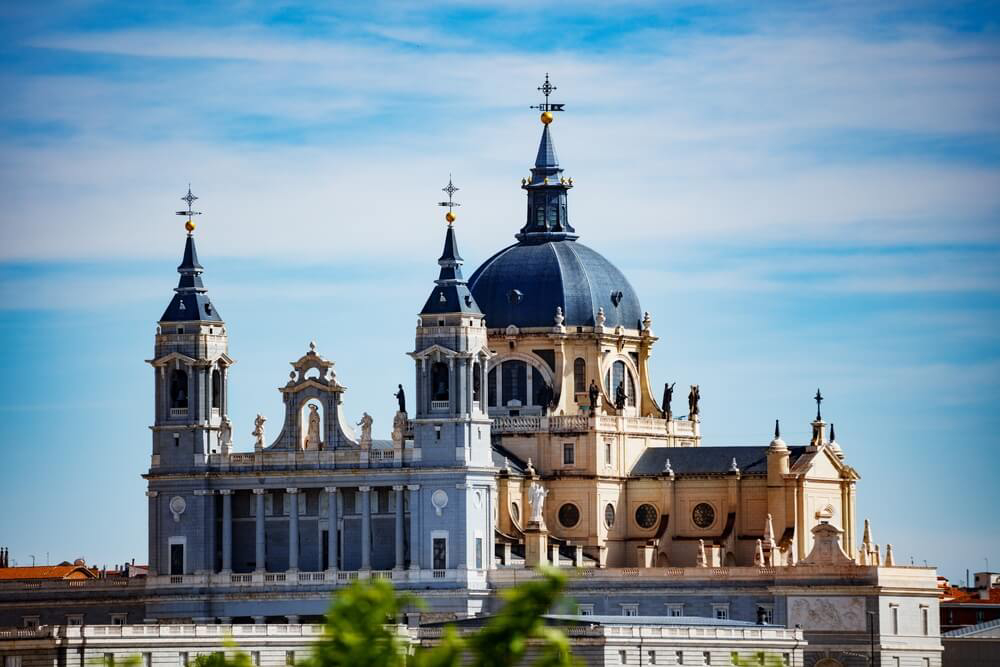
x: 191, y: 373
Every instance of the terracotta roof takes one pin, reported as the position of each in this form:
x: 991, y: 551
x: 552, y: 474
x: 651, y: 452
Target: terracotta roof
x: 953, y: 594
x: 45, y: 572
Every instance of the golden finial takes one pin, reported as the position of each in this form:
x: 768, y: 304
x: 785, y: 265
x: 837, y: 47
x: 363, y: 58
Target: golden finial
x: 190, y: 199
x: 547, y: 117
x: 451, y: 190
x: 570, y: 182
x: 524, y: 182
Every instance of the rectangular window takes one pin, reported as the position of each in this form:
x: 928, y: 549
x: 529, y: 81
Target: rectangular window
x: 623, y: 657
x: 479, y: 553
x: 720, y: 611
x: 30, y: 622
x: 569, y: 454
x: 675, y: 610
x: 925, y: 620
x: 176, y: 559
x: 651, y: 655
x: 895, y: 661
x: 109, y: 660
x: 147, y: 659
x: 74, y: 619
x: 706, y: 658
x: 630, y: 610
x: 894, y: 610
x: 255, y: 656
x: 182, y: 659
x: 585, y: 609
x: 289, y: 658
x: 119, y: 619
x: 679, y: 656
x: 440, y: 553
x: 607, y: 453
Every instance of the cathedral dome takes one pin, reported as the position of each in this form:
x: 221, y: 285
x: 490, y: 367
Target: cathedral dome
x: 523, y: 285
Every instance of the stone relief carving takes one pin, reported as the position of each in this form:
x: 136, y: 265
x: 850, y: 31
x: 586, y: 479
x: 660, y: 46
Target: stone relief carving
x: 827, y: 613
x: 177, y: 507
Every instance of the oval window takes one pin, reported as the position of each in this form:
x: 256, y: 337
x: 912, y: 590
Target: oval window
x: 645, y: 516
x: 609, y: 515
x: 569, y: 515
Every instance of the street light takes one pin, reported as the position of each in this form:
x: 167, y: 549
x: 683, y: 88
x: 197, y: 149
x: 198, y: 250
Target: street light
x: 871, y: 632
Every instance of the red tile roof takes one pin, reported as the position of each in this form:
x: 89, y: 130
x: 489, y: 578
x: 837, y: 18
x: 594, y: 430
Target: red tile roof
x: 45, y: 572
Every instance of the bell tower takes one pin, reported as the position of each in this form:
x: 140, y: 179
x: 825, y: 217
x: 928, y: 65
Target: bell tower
x: 451, y: 425
x: 191, y: 369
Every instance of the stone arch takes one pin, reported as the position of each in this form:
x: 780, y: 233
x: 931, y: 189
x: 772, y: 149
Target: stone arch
x: 307, y: 436
x: 533, y: 366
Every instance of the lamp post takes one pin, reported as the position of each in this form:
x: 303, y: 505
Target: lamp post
x: 871, y: 632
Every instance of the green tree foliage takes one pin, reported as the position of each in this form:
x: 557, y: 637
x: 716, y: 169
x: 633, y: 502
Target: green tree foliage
x: 758, y: 659
x: 360, y: 632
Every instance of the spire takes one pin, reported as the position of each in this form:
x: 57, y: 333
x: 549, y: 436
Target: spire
x: 452, y: 293
x: 190, y: 302
x: 547, y: 217
x: 777, y: 443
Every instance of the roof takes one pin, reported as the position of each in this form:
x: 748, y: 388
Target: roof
x: 502, y: 456
x: 452, y: 293
x: 190, y: 302
x: 45, y: 572
x: 650, y: 620
x: 524, y: 283
x: 987, y: 630
x: 707, y: 460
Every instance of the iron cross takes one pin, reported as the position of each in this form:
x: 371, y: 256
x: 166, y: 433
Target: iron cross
x: 546, y: 89
x: 451, y: 190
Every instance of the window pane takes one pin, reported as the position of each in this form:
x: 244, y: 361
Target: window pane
x: 515, y: 381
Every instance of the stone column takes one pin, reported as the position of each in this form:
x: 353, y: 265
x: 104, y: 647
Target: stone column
x: 366, y: 527
x: 415, y: 542
x: 399, y: 526
x: 208, y: 521
x: 227, y: 530
x: 418, y: 403
x: 154, y: 533
x: 293, y: 530
x: 260, y: 562
x: 452, y: 387
x: 331, y: 528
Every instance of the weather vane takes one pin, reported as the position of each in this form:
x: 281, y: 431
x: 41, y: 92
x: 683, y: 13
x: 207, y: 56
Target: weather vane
x: 819, y: 399
x: 547, y: 107
x: 451, y: 203
x: 190, y: 199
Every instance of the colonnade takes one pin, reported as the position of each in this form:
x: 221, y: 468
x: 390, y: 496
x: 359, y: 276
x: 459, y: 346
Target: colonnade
x: 332, y: 520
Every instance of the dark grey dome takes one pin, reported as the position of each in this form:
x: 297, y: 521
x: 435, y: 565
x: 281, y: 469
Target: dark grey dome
x: 524, y: 283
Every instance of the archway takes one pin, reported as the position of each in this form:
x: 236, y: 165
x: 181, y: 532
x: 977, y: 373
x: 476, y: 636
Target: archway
x: 312, y: 420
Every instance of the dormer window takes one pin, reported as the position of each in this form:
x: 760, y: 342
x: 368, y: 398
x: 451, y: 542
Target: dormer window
x: 180, y: 330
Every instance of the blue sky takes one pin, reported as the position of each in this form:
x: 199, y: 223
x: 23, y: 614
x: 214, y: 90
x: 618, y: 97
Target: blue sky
x: 803, y: 195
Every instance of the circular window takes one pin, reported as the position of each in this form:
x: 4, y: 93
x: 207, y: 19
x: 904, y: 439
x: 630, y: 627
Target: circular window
x: 515, y: 512
x: 645, y: 516
x: 569, y: 515
x: 609, y: 515
x: 703, y: 515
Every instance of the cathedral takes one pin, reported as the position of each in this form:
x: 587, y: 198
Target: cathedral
x: 532, y: 435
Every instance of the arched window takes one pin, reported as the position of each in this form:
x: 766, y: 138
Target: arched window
x: 439, y: 381
x: 477, y: 382
x: 580, y: 376
x: 178, y: 389
x: 618, y: 374
x: 216, y: 389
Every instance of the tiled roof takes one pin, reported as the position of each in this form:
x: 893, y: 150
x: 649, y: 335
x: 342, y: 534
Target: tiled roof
x: 707, y: 460
x: 45, y: 572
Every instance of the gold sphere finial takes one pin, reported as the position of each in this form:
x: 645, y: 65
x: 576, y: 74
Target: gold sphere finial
x: 547, y: 117
x: 189, y: 225
x: 450, y: 217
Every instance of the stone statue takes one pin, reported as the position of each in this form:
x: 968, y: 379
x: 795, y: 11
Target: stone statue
x: 258, y: 431
x: 668, y: 397
x: 366, y: 430
x: 226, y: 433
x: 620, y: 396
x: 401, y: 398
x: 559, y: 318
x: 601, y: 317
x: 593, y: 393
x: 313, y: 437
x: 538, y: 493
x: 693, y: 402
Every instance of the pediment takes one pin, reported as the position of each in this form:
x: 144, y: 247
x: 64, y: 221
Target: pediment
x: 166, y: 359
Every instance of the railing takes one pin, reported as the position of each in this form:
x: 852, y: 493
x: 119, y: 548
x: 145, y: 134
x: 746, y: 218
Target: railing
x: 382, y: 455
x: 517, y: 424
x: 275, y: 576
x: 440, y: 574
x: 241, y: 459
x: 568, y: 423
x: 178, y: 412
x: 382, y: 574
x: 347, y: 576
x: 240, y: 578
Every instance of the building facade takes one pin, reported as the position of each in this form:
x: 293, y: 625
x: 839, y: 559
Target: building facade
x: 533, y: 434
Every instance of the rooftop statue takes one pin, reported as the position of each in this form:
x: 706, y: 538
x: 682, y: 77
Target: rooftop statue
x: 668, y: 397
x: 366, y: 430
x: 693, y: 398
x: 401, y: 398
x: 593, y: 393
x: 620, y: 396
x: 313, y: 437
x: 538, y: 493
x: 258, y: 431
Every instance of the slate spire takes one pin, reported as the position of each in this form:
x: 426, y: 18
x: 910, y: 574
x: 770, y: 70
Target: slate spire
x: 452, y: 293
x: 548, y: 214
x: 190, y: 302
